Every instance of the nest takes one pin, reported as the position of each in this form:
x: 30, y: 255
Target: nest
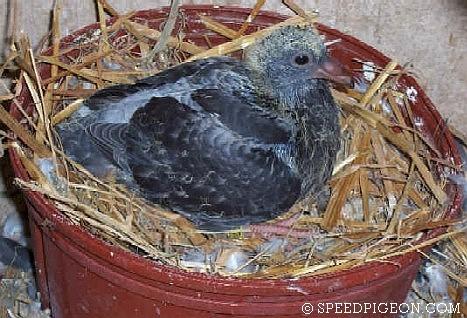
x: 385, y: 193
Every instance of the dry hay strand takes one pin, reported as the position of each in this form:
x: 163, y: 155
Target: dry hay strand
x: 384, y: 197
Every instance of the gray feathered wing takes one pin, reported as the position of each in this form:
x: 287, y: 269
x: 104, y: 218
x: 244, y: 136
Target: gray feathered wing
x: 218, y: 165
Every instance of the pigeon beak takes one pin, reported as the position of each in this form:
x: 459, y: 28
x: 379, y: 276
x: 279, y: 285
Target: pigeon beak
x: 332, y: 70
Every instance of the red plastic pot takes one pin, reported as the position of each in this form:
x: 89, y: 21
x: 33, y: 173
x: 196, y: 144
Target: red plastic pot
x: 81, y: 276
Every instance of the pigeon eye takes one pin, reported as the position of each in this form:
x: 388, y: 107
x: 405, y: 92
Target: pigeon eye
x: 301, y: 59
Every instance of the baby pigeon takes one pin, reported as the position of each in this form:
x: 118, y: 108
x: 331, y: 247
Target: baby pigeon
x: 224, y: 142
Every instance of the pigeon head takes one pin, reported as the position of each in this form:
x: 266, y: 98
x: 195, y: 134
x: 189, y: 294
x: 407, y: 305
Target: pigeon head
x: 291, y: 61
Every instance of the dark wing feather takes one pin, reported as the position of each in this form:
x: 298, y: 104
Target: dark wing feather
x: 108, y: 136
x: 114, y: 94
x: 79, y: 146
x: 110, y: 139
x: 204, y: 169
x: 244, y: 117
x: 109, y: 95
